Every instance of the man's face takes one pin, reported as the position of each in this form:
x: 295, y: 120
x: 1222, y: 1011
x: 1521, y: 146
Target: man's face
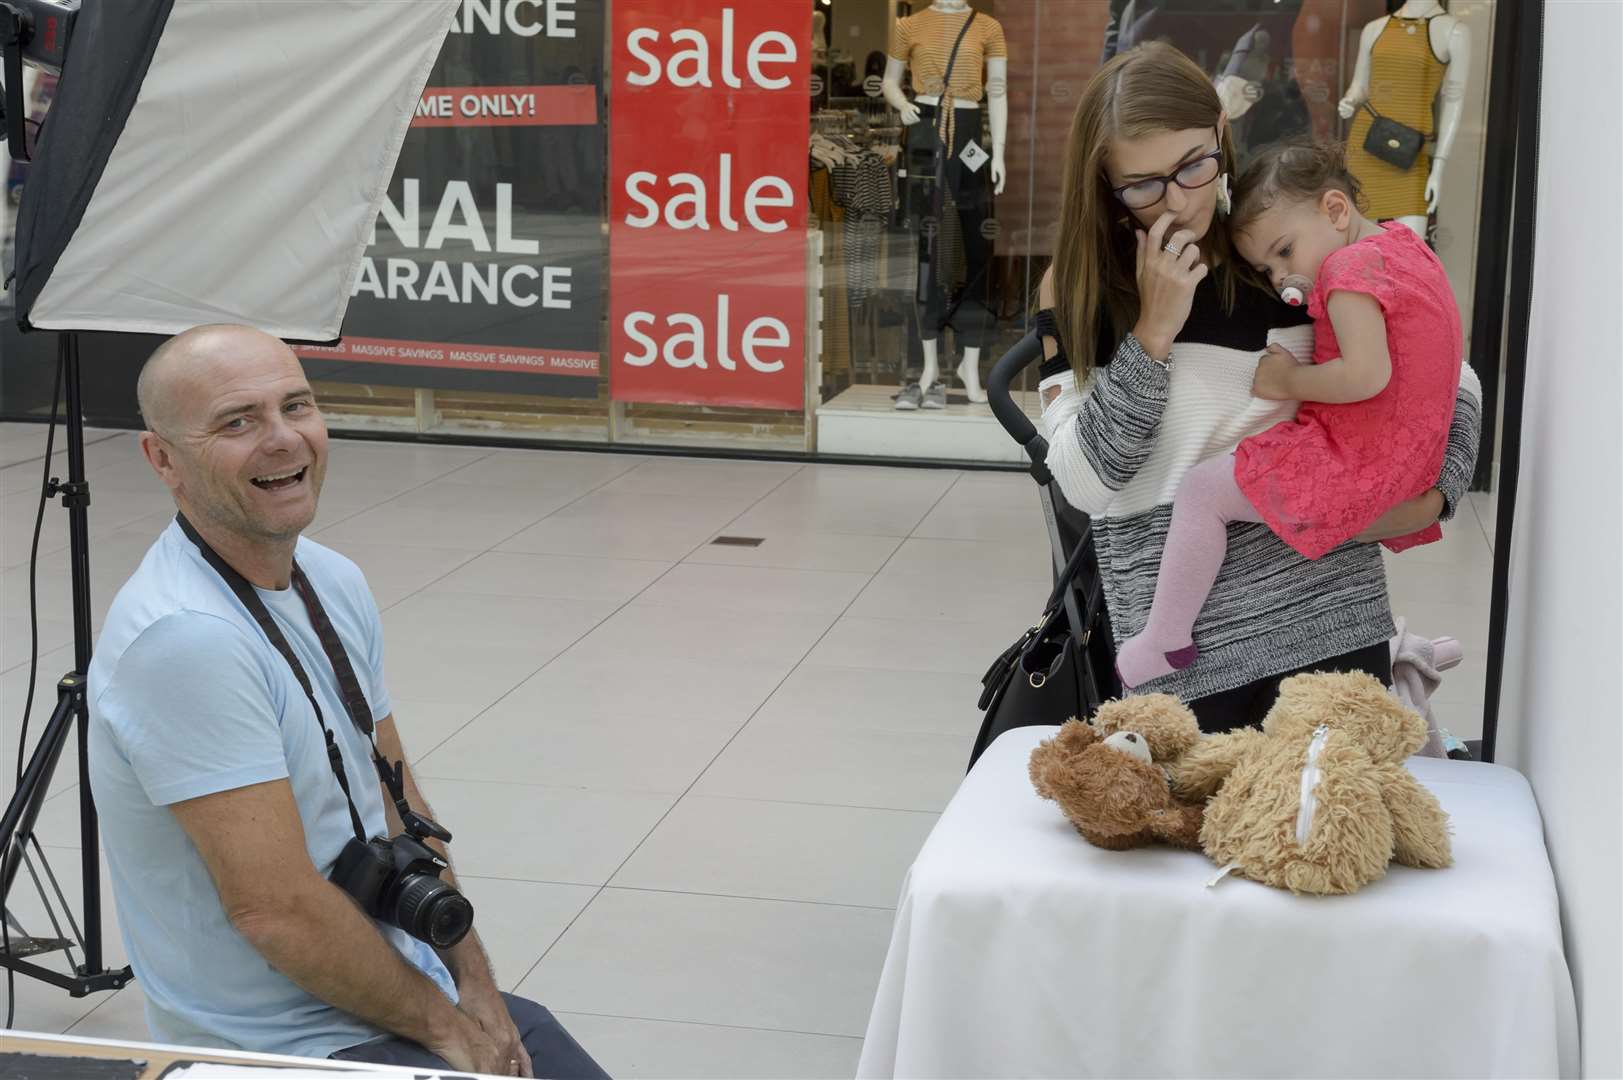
x: 248, y: 447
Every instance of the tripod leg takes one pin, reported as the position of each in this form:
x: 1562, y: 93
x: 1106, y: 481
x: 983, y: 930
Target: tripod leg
x: 23, y: 810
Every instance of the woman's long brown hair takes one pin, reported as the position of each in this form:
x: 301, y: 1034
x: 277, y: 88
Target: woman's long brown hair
x: 1148, y: 89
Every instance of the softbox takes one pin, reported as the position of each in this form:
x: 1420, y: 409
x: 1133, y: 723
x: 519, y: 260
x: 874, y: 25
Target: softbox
x: 214, y: 161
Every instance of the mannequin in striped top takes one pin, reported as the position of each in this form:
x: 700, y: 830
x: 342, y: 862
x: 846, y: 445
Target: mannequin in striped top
x: 924, y: 42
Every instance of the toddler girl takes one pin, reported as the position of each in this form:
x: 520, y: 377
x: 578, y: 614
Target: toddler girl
x: 1376, y: 400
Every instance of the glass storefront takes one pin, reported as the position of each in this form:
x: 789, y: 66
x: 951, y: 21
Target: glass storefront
x: 704, y: 223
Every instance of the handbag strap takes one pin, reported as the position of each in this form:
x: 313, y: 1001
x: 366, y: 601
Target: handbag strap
x: 952, y: 58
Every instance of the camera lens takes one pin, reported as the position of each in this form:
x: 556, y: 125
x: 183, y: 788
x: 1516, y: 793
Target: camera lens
x: 430, y: 910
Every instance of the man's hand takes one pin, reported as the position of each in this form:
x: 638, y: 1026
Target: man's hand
x: 467, y: 1047
x: 484, y: 1003
x: 1276, y: 372
x: 1405, y: 518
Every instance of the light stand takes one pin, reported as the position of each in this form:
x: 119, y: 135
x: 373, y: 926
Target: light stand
x: 22, y: 812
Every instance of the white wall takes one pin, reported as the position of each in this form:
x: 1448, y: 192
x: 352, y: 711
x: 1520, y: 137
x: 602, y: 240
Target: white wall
x: 1563, y: 705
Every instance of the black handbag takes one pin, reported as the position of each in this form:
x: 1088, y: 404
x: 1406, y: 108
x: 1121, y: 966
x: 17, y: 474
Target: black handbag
x: 1394, y: 143
x: 1052, y: 672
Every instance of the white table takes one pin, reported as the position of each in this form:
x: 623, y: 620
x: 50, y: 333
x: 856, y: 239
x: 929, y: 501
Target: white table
x: 1020, y: 950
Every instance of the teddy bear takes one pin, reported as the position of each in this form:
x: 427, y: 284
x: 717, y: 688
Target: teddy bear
x: 1318, y: 801
x: 1108, y: 775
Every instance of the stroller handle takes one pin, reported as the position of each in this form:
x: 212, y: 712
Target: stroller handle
x: 1027, y: 351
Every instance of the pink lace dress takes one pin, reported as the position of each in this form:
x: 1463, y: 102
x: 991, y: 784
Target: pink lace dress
x: 1321, y: 479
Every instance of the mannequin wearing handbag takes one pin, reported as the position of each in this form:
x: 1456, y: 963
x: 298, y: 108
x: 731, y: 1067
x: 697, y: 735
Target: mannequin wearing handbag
x: 1411, y: 64
x: 951, y: 102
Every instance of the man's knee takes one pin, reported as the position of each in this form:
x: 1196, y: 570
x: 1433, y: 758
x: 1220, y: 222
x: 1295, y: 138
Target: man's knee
x: 553, y: 1051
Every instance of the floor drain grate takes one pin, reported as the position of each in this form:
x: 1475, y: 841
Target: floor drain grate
x: 739, y: 541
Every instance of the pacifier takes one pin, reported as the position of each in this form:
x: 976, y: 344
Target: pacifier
x: 1294, y: 290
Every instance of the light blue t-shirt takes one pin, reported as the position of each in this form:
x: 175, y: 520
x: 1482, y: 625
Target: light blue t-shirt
x: 189, y: 698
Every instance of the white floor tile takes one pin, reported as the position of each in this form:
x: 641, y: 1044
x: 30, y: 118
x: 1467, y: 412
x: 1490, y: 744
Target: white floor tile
x: 570, y: 577
x: 445, y: 515
x: 396, y: 571
x: 517, y: 921
x: 987, y: 506
x: 845, y: 499
x: 698, y: 476
x: 839, y: 767
x: 955, y: 562
x: 817, y: 697
x: 551, y: 745
x: 1410, y: 582
x: 712, y: 960
x: 120, y: 1016
x: 456, y: 648
x: 798, y: 550
x: 916, y: 645
x: 531, y: 833
x: 667, y: 1050
x: 895, y: 594
x: 658, y: 527
x: 48, y: 1010
x: 554, y: 471
x: 673, y: 689
x: 768, y: 639
x: 755, y: 589
x: 425, y: 725
x: 780, y: 851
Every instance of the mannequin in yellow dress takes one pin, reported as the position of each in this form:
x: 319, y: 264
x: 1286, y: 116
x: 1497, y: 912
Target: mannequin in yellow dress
x: 1412, y: 66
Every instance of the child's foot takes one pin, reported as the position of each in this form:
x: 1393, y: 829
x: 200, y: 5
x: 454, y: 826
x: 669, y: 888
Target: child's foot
x: 1139, y: 660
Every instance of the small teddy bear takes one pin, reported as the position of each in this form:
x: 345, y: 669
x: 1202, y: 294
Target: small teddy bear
x: 1319, y: 800
x: 1108, y: 776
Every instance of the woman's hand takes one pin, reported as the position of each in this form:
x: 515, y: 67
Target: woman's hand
x: 1275, y: 375
x: 1405, y: 518
x: 1166, y: 284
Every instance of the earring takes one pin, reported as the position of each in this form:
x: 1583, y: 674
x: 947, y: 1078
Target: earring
x: 1225, y: 198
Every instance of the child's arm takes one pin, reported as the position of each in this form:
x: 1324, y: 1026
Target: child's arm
x: 1362, y: 372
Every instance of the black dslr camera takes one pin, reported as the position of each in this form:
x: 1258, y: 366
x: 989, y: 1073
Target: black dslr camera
x: 398, y: 882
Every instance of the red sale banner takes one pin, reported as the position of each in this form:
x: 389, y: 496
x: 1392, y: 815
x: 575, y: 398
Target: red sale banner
x: 707, y: 202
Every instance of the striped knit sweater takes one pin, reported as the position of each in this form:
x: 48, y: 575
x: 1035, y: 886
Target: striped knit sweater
x: 1120, y: 446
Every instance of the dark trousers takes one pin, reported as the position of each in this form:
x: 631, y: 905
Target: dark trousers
x: 1245, y: 706
x: 972, y: 198
x: 553, y: 1051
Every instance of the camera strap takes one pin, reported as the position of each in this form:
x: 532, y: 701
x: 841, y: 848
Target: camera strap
x: 355, y: 703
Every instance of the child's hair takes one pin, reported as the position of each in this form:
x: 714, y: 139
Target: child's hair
x: 1297, y: 170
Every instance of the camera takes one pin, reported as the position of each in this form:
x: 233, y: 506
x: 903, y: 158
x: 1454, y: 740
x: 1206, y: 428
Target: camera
x: 398, y: 882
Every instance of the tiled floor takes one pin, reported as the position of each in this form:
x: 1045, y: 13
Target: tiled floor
x: 686, y: 778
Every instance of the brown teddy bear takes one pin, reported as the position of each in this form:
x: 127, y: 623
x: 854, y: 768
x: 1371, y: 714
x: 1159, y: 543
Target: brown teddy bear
x: 1318, y: 801
x: 1108, y: 775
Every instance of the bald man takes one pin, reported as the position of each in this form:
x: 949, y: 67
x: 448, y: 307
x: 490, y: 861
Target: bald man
x: 222, y: 809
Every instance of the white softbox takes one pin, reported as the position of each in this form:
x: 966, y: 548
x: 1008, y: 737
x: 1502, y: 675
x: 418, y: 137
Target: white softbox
x: 219, y: 161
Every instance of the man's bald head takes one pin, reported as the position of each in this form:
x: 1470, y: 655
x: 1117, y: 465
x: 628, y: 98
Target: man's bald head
x: 176, y: 372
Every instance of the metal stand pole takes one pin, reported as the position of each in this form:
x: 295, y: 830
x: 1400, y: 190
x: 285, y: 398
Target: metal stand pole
x: 17, y: 826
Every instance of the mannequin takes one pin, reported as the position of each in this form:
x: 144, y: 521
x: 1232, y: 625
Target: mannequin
x: 924, y: 40
x: 1391, y: 60
x: 1247, y: 46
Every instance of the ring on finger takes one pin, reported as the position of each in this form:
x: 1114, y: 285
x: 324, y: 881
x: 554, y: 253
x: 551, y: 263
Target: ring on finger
x: 1172, y: 249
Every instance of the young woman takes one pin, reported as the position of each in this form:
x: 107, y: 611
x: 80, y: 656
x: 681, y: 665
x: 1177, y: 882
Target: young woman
x: 1154, y: 329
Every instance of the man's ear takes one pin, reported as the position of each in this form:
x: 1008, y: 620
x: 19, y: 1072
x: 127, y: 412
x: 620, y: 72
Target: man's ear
x: 159, y: 455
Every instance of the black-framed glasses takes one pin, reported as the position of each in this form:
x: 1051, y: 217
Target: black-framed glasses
x: 1142, y: 194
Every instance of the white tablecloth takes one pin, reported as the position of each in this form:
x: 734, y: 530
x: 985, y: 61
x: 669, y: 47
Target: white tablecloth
x: 1022, y: 951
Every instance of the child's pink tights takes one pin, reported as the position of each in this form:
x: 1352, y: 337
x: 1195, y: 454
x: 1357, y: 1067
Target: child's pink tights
x: 1207, y: 500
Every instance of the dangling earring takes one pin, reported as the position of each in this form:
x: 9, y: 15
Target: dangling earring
x: 1225, y: 198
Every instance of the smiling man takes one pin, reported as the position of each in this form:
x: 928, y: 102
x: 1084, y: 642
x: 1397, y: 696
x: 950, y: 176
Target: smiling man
x: 217, y: 778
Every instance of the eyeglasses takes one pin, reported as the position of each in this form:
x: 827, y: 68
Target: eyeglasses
x: 1142, y: 194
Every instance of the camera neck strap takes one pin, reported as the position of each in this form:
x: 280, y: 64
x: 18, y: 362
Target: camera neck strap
x: 355, y: 703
